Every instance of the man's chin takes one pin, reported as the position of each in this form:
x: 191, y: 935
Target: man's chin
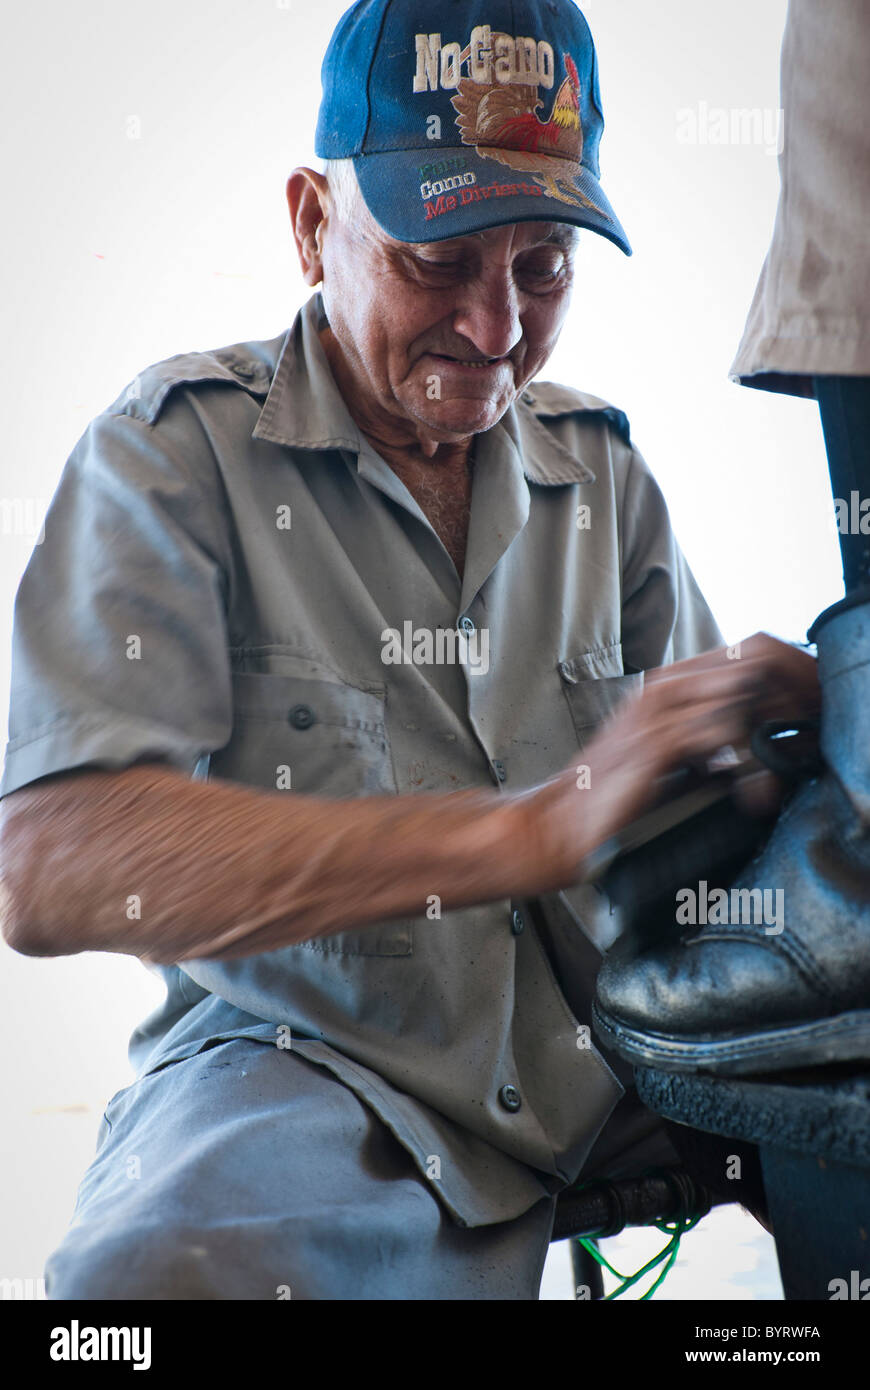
x: 452, y: 420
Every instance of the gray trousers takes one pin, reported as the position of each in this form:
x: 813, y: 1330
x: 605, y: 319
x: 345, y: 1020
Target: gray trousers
x: 248, y: 1172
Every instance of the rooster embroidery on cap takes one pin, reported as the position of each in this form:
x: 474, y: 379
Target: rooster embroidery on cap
x: 501, y: 120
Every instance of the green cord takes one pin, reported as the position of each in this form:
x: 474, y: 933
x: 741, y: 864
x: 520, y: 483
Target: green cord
x: 675, y: 1229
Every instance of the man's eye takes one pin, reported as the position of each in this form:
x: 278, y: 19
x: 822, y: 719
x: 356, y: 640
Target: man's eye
x: 541, y: 272
x: 538, y: 274
x: 440, y: 267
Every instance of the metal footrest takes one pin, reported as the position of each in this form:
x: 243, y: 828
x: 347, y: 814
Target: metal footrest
x: 605, y: 1206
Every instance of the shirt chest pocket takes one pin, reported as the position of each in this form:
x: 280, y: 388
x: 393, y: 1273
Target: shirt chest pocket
x: 320, y: 737
x: 595, y: 685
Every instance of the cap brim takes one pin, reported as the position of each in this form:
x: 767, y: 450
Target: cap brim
x: 492, y: 192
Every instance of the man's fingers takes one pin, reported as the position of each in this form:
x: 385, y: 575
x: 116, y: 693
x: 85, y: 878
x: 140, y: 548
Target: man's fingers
x: 722, y: 683
x: 785, y: 677
x: 654, y: 735
x: 694, y: 737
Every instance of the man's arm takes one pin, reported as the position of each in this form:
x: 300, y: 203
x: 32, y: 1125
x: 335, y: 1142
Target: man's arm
x: 220, y: 869
x: 223, y: 869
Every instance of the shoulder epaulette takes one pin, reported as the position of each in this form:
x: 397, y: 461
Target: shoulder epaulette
x: 250, y: 366
x: 549, y: 400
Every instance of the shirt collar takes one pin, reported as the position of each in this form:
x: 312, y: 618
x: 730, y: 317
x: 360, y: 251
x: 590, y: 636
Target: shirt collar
x: 304, y: 409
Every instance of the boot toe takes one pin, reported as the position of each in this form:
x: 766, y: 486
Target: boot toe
x: 704, y: 986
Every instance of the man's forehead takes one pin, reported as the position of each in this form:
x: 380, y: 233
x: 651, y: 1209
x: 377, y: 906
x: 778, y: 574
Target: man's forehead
x: 561, y: 234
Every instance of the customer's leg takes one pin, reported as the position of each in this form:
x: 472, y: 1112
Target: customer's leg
x: 247, y: 1172
x: 844, y: 406
x: 752, y: 1001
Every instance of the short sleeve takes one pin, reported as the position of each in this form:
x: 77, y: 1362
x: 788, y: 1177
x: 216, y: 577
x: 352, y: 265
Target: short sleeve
x: 119, y: 643
x: 665, y: 617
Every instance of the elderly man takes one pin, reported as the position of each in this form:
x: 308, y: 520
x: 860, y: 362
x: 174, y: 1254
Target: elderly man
x: 308, y: 679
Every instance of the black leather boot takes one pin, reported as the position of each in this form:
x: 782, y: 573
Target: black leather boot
x: 778, y: 979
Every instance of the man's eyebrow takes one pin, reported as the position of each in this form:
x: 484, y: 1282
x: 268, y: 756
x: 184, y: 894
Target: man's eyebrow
x: 565, y: 235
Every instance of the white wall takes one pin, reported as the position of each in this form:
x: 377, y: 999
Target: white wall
x: 145, y: 151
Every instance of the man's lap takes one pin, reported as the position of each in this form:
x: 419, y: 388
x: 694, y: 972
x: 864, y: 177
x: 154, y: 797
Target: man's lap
x: 247, y: 1172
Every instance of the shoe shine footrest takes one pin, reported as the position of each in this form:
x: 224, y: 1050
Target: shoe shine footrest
x: 812, y: 1128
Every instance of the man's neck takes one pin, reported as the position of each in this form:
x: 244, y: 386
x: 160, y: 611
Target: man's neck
x: 406, y: 449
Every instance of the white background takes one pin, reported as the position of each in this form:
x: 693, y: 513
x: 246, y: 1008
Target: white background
x: 119, y: 251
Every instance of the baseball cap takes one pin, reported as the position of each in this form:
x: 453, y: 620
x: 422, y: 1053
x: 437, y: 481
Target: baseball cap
x: 493, y: 118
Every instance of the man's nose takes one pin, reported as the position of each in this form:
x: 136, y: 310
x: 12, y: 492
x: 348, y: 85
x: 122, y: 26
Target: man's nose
x: 489, y: 314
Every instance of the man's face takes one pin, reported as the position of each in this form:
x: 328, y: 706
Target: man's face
x: 438, y: 338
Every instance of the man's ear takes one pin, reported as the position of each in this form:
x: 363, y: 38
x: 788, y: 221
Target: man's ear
x: 308, y: 201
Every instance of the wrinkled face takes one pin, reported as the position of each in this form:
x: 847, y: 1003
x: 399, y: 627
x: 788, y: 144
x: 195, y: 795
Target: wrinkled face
x: 442, y: 336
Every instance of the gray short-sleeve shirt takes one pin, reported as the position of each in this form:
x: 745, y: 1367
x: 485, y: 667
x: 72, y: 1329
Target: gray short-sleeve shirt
x: 233, y: 580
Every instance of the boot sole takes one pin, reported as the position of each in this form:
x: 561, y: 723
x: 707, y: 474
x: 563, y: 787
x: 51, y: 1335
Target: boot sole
x: 845, y: 1038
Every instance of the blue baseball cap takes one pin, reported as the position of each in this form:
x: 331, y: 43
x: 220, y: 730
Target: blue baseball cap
x: 495, y: 119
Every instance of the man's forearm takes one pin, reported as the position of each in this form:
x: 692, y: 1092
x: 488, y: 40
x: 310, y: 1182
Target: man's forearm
x: 152, y: 864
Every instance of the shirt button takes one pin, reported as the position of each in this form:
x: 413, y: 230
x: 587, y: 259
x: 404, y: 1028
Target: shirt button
x: 466, y: 625
x: 302, y: 717
x: 499, y: 770
x: 510, y: 1097
x: 517, y: 923
x: 243, y: 370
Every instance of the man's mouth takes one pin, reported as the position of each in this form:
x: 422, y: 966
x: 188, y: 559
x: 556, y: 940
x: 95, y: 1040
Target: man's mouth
x: 469, y: 361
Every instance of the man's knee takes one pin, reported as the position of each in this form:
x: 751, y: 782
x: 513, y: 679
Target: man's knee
x: 152, y: 1262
